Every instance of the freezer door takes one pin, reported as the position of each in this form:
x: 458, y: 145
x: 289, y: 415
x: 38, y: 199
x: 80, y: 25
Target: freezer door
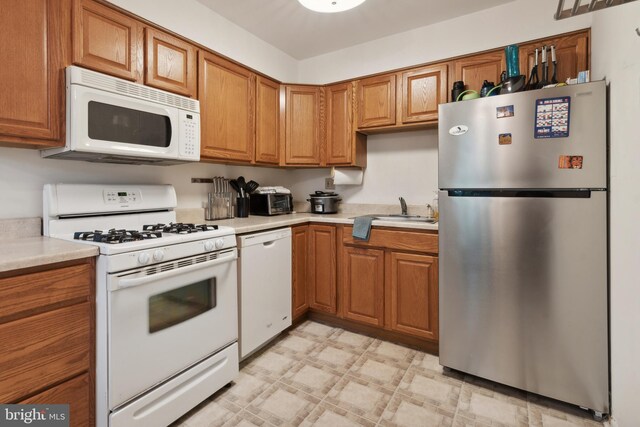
x: 523, y: 293
x: 504, y: 152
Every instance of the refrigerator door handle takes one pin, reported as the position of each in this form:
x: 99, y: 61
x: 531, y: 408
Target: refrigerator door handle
x: 558, y: 194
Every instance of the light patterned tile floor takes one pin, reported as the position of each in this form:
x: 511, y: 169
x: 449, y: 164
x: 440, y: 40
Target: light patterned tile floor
x: 317, y: 375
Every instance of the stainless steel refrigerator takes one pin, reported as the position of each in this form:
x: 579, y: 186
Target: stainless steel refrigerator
x: 523, y: 241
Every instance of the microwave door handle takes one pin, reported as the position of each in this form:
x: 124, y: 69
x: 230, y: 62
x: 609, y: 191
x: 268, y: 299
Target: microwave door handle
x: 130, y: 283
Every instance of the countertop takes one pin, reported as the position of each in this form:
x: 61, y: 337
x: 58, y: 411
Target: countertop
x: 23, y: 247
x: 255, y: 223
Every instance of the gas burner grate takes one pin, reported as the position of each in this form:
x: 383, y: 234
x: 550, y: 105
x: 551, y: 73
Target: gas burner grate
x: 114, y: 236
x: 179, y: 228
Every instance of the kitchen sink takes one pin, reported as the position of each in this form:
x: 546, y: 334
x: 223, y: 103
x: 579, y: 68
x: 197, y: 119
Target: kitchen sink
x: 400, y: 217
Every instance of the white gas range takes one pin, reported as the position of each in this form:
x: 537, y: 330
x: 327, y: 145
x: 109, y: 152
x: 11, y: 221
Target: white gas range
x: 166, y: 299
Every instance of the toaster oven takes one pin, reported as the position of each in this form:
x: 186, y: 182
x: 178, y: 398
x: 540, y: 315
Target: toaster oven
x: 270, y: 204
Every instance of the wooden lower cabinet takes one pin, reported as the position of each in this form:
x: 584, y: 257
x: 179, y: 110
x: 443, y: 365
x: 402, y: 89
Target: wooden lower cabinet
x: 322, y: 268
x: 387, y: 285
x: 74, y: 392
x: 413, y: 294
x: 363, y: 285
x: 299, y: 267
x: 47, y: 337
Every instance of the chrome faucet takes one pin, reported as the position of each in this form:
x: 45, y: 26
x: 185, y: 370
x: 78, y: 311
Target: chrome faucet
x: 403, y: 206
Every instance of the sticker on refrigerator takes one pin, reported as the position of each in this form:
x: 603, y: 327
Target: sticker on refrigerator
x: 504, y: 111
x: 552, y: 117
x: 458, y: 130
x: 570, y: 162
x: 504, y: 139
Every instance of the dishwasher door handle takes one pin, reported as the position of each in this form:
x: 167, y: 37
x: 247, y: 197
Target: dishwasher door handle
x: 269, y: 244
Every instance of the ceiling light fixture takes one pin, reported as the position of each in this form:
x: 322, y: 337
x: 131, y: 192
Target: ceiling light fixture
x: 330, y: 6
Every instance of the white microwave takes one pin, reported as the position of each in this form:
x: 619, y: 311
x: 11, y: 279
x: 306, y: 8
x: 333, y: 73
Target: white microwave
x: 111, y: 120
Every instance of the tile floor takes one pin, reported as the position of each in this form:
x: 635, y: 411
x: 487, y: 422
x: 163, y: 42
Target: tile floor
x: 316, y: 375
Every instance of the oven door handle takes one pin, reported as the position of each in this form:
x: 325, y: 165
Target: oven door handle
x: 137, y: 281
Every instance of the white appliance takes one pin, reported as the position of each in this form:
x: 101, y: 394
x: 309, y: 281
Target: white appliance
x: 264, y: 287
x: 111, y: 120
x: 166, y: 299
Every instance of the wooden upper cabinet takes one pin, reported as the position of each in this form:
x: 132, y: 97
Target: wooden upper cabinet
x: 107, y: 41
x: 572, y: 55
x: 363, y: 285
x: 302, y: 138
x: 345, y: 146
x: 267, y: 121
x: 422, y: 90
x: 171, y: 63
x: 377, y: 101
x: 474, y: 70
x: 322, y: 268
x: 339, y: 122
x: 226, y: 92
x: 413, y: 291
x: 34, y: 39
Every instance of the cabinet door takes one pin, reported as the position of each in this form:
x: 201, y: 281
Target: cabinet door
x: 107, y: 41
x: 33, y: 38
x: 473, y: 70
x: 76, y: 392
x: 299, y: 263
x: 413, y: 288
x: 422, y: 90
x: 43, y: 350
x: 226, y: 93
x: 267, y: 121
x: 363, y: 285
x: 571, y: 56
x: 322, y: 268
x: 171, y: 63
x: 377, y: 101
x: 302, y: 140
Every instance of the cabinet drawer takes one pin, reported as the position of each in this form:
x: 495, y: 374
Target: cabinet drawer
x: 395, y: 239
x: 75, y: 392
x: 41, y: 350
x: 27, y: 292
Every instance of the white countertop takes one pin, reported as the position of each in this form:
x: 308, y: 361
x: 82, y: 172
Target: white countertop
x: 255, y: 223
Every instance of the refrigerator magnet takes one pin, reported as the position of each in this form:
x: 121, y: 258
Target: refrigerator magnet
x: 570, y: 162
x: 552, y: 117
x: 504, y: 111
x: 504, y: 139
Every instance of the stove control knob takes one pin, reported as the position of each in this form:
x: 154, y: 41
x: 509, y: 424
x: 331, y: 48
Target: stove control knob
x: 219, y: 243
x: 144, y: 258
x: 158, y: 255
x: 208, y: 246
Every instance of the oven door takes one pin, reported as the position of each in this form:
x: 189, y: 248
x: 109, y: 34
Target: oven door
x: 166, y: 317
x: 109, y: 123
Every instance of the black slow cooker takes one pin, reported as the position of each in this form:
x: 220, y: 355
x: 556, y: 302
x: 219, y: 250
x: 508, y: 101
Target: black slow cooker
x: 323, y: 202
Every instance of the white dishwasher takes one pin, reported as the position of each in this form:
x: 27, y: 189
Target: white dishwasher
x: 264, y: 287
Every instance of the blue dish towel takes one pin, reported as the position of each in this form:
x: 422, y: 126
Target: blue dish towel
x: 362, y: 227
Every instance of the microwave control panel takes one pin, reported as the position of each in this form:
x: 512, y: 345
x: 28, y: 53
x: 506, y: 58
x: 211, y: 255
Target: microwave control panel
x: 189, y: 135
x: 115, y: 197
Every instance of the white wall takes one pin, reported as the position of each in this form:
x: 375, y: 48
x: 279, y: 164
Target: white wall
x: 616, y: 57
x: 195, y: 21
x: 402, y: 164
x: 519, y: 21
x: 23, y: 174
